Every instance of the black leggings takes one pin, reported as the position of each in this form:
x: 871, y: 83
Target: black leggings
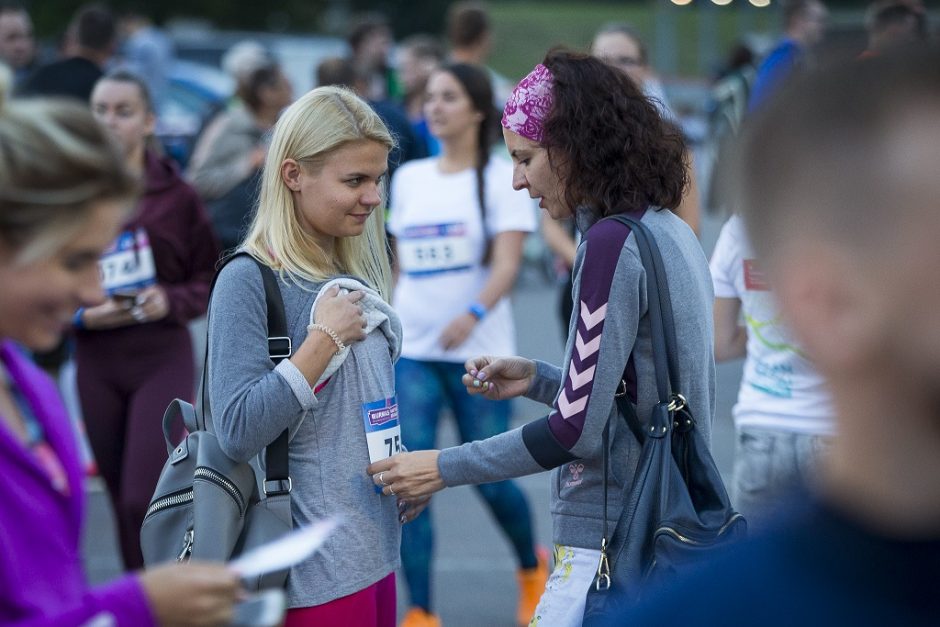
x: 124, y: 389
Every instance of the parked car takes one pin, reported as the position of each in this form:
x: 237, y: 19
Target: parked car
x: 298, y: 55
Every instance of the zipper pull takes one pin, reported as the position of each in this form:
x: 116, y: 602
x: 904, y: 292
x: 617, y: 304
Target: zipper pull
x: 187, y: 550
x: 602, y: 582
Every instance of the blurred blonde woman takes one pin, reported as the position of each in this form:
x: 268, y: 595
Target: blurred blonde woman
x: 317, y: 225
x: 64, y: 192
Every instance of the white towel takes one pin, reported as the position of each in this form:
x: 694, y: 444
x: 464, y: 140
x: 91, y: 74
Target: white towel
x: 379, y: 315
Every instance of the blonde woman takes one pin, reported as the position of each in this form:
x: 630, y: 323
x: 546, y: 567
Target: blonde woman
x: 316, y: 220
x: 64, y: 192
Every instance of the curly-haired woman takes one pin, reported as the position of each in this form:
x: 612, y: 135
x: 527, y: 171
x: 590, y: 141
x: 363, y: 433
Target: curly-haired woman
x: 588, y: 144
x: 459, y: 231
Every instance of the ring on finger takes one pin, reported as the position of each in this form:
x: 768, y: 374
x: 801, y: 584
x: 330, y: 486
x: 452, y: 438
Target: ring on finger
x: 391, y: 492
x: 381, y: 480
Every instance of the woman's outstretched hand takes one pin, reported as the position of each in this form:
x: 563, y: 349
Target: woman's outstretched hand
x: 498, y: 378
x: 192, y: 595
x: 409, y: 476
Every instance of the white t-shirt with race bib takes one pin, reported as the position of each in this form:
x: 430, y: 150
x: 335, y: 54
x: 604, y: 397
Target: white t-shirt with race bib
x: 437, y: 224
x: 780, y: 389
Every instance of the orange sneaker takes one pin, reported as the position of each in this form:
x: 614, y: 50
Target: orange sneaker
x: 531, y: 586
x: 418, y: 617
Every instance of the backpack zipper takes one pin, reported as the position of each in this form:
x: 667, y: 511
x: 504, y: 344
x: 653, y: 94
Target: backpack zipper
x: 185, y: 497
x: 207, y: 474
x: 177, y: 499
x: 187, y: 551
x: 687, y: 540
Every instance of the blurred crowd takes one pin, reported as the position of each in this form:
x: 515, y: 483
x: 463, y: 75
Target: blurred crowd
x: 440, y: 101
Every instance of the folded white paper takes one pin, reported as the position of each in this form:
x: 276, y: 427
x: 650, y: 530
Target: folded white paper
x: 286, y: 551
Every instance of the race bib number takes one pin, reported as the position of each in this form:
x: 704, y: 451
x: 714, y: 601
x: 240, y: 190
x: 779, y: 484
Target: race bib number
x: 128, y: 263
x: 435, y: 249
x: 383, y: 433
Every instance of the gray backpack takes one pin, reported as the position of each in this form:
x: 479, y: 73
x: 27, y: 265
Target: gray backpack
x: 207, y: 506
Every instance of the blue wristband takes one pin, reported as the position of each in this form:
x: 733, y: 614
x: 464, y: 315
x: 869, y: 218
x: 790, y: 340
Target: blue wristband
x: 477, y: 310
x: 77, y: 319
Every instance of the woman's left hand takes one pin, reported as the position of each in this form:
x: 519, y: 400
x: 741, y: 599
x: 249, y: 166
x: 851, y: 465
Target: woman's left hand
x: 408, y: 476
x: 457, y: 332
x: 151, y: 304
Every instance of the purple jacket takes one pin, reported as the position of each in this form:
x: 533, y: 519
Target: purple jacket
x: 42, y: 581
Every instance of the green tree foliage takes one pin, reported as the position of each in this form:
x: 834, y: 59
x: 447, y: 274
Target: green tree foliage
x: 406, y: 16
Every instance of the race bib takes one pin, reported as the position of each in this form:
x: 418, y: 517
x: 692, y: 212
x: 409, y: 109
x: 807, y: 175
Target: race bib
x: 128, y: 263
x: 383, y: 433
x: 435, y: 249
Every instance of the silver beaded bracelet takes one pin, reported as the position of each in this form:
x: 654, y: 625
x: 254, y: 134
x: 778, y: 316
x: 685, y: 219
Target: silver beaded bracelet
x: 340, y: 347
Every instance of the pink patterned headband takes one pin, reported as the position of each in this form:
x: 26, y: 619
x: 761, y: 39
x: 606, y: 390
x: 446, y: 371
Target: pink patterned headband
x: 528, y: 106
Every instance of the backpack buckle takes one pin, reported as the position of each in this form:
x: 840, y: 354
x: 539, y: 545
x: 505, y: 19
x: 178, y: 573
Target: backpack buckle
x: 276, y: 487
x: 279, y: 347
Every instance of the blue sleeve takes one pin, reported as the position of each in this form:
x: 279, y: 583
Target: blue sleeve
x: 778, y: 65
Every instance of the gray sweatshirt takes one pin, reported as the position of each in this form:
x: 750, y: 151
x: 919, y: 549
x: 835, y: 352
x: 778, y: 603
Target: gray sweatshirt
x: 252, y: 403
x: 222, y: 157
x: 609, y: 333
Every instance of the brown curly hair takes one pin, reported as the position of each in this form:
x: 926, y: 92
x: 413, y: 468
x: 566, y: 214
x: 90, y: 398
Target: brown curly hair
x: 615, y: 152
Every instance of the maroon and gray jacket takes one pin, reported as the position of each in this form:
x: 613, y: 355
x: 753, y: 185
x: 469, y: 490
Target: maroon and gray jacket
x: 608, y: 335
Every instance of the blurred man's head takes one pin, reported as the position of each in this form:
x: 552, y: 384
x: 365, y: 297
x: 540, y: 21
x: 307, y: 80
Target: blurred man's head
x: 370, y: 40
x: 895, y: 22
x: 341, y: 72
x: 244, y: 58
x: 805, y: 20
x: 839, y: 189
x: 418, y: 56
x: 620, y: 45
x: 469, y: 32
x: 17, y: 46
x: 95, y: 32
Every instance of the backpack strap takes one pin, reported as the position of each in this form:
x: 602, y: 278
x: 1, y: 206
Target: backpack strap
x: 662, y: 328
x: 665, y: 365
x: 277, y: 472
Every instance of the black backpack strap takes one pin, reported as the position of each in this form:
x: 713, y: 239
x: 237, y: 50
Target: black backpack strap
x: 662, y: 323
x: 277, y: 472
x: 665, y: 363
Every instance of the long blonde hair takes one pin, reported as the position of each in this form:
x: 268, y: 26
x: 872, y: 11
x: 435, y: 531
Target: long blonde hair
x: 56, y: 164
x: 319, y: 123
